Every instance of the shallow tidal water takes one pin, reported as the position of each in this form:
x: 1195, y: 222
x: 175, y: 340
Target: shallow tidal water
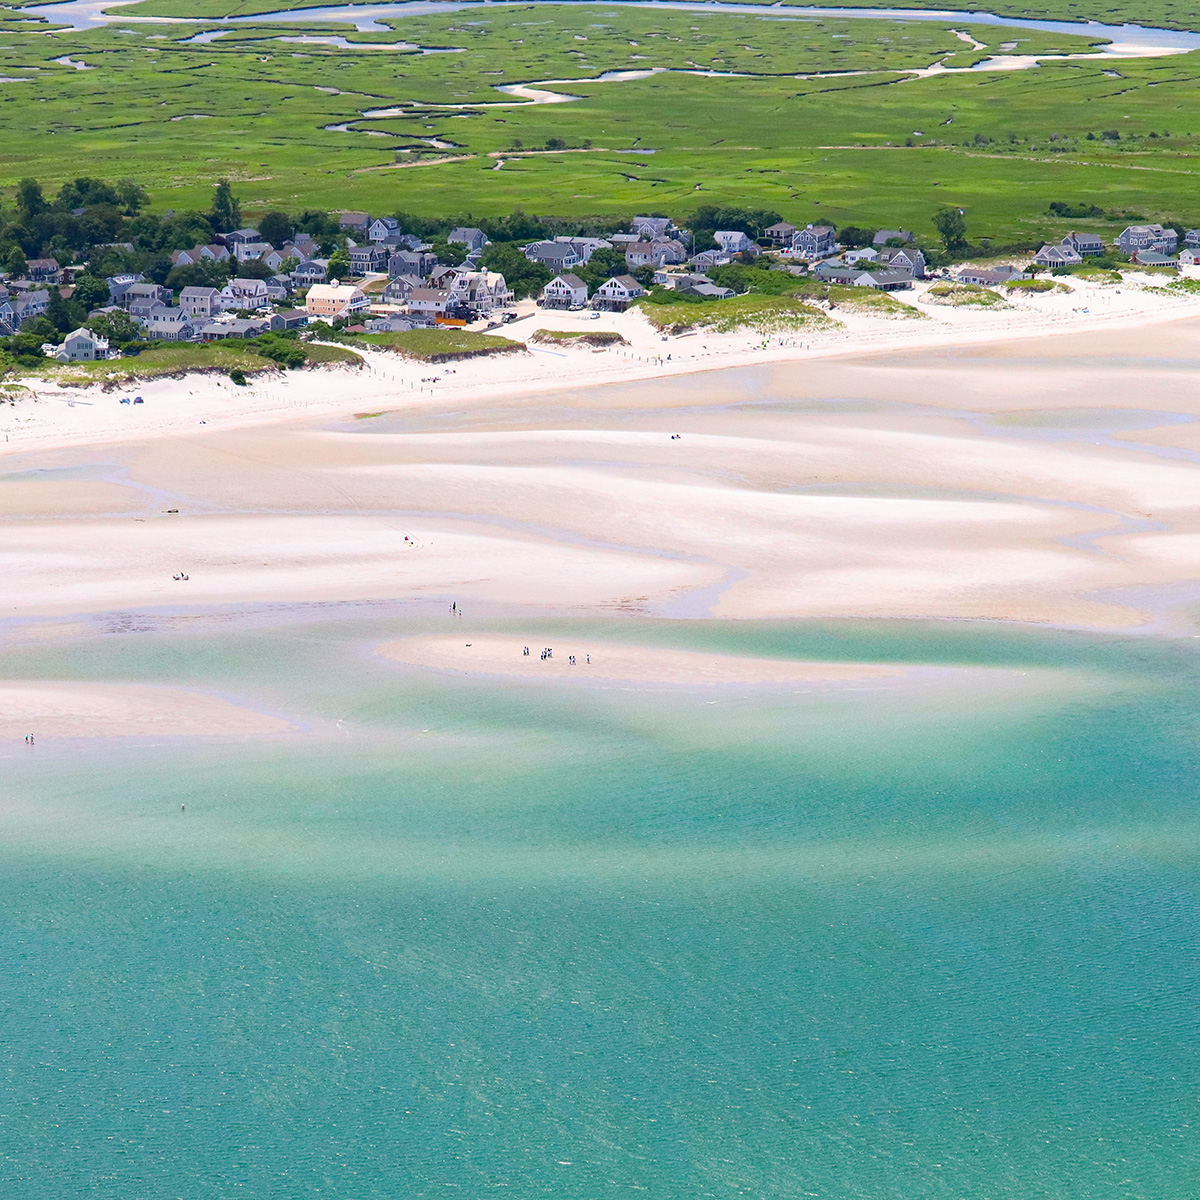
x: 468, y: 937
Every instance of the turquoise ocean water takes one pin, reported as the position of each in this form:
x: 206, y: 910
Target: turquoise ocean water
x: 466, y: 938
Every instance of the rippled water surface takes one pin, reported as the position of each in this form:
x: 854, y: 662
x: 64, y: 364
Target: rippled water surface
x: 474, y: 938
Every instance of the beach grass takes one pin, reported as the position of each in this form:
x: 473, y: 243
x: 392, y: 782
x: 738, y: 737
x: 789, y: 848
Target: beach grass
x: 587, y: 337
x: 964, y: 295
x: 441, y: 345
x: 769, y: 314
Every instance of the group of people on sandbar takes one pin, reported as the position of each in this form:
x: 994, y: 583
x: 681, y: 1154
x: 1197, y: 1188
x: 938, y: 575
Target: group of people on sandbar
x: 548, y: 652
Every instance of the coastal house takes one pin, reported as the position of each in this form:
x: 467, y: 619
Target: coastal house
x: 329, y: 301
x: 126, y: 295
x: 672, y: 250
x: 400, y: 289
x: 314, y: 270
x: 1147, y: 237
x: 643, y: 254
x: 7, y: 325
x: 1189, y: 256
x: 883, y: 236
x: 383, y: 228
x: 862, y: 254
x: 585, y: 247
x: 1084, y: 244
x: 884, y: 280
x: 1152, y: 258
x: 27, y: 305
x: 432, y: 301
x: 707, y: 290
x: 902, y: 258
x: 616, y: 295
x: 1191, y: 239
x: 243, y: 327
x: 564, y: 291
x: 240, y: 237
x: 352, y: 221
x: 733, y: 241
x: 781, y: 233
x: 836, y: 270
x: 301, y: 248
x: 473, y: 239
x: 556, y: 256
x: 707, y: 259
x: 990, y: 276
x: 814, y: 242
x: 288, y: 318
x: 81, y: 346
x: 272, y: 259
x: 200, y: 301
x: 249, y: 251
x: 43, y: 270
x: 168, y: 331
x: 187, y: 258
x: 411, y: 262
x: 651, y: 228
x: 1059, y: 255
x: 390, y: 325
x: 244, y: 293
x: 480, y: 291
x: 368, y: 258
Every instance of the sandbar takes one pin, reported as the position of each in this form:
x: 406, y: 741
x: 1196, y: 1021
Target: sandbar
x: 73, y: 709
x: 616, y: 662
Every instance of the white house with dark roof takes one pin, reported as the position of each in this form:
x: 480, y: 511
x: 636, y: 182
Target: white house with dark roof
x: 81, y: 346
x: 616, y: 295
x: 733, y: 241
x: 564, y: 291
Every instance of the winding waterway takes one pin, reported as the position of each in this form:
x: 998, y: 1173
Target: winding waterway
x: 1131, y: 39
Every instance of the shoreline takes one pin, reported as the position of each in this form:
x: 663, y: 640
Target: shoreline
x: 1035, y: 466
x: 50, y: 417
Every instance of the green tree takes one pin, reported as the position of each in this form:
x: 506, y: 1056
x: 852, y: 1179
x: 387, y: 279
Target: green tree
x: 15, y: 264
x: 275, y: 228
x: 7, y: 362
x: 226, y: 214
x: 524, y: 277
x: 604, y: 264
x: 339, y: 264
x: 254, y: 268
x: 41, y: 329
x: 119, y: 327
x: 60, y: 313
x: 206, y: 273
x: 852, y: 237
x: 90, y: 292
x: 133, y: 196
x: 30, y: 200
x: 951, y: 224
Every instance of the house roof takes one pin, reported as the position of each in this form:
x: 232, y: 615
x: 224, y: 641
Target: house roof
x: 570, y: 280
x: 332, y: 291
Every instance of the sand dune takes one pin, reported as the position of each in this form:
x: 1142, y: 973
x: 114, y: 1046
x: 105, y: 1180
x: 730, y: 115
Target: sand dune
x: 72, y: 709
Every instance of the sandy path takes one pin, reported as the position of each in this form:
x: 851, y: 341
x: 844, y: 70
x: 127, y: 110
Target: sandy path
x: 71, y: 709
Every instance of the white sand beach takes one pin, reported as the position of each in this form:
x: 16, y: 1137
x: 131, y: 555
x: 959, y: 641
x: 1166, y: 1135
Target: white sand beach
x: 1029, y: 464
x: 74, y: 709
